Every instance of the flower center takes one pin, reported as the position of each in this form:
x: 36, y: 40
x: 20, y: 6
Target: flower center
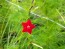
x: 28, y: 26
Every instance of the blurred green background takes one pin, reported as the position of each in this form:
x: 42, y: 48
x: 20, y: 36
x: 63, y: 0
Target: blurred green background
x: 47, y: 15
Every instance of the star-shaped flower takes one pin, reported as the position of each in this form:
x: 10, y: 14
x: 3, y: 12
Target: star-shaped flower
x: 28, y: 26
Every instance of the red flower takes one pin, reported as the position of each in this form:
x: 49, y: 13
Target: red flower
x: 28, y: 26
